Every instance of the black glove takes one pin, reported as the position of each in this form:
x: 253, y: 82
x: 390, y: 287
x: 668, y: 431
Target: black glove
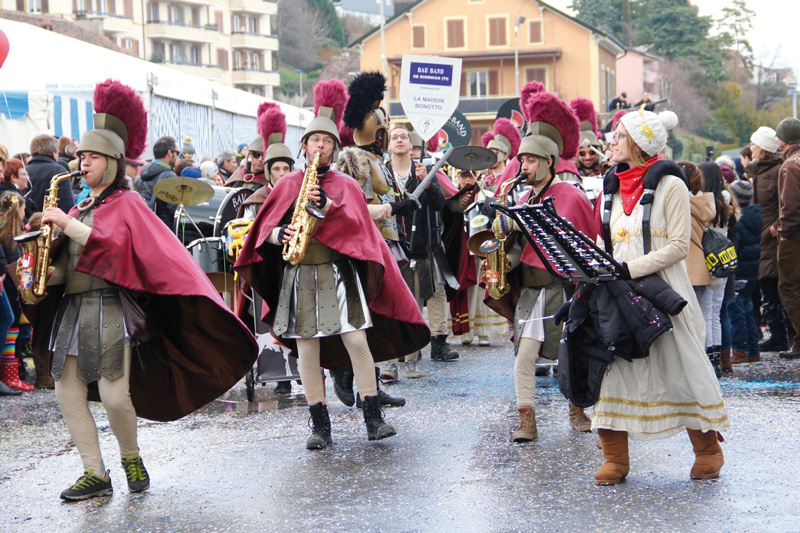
x: 488, y: 208
x: 282, y: 233
x: 323, y: 198
x: 404, y: 207
x: 626, y: 274
x: 563, y: 312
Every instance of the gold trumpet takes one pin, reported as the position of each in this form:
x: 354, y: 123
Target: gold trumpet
x: 32, y: 267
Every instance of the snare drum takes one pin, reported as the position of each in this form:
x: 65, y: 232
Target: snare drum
x: 211, y: 216
x: 209, y: 253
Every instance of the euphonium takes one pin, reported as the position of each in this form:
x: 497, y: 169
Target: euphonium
x: 36, y: 260
x: 494, y: 269
x: 304, y: 218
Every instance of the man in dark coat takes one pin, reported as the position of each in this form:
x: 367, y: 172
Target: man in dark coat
x: 165, y: 152
x: 41, y: 169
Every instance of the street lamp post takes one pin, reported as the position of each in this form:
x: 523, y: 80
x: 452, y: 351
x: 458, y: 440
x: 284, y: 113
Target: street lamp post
x: 302, y: 100
x: 793, y: 93
x: 519, y: 20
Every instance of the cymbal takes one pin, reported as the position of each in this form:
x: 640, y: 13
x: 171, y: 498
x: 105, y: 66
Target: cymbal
x: 183, y: 190
x: 472, y: 158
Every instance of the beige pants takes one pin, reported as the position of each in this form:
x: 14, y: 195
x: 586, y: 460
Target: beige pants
x: 525, y: 371
x: 71, y: 393
x: 360, y: 357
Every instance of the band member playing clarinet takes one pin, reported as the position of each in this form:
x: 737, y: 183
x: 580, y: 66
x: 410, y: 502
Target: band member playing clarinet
x: 341, y: 299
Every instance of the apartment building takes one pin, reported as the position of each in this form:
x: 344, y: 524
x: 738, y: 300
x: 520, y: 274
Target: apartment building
x: 229, y: 41
x: 569, y: 57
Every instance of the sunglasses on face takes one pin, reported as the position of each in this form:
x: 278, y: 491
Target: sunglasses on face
x: 584, y: 153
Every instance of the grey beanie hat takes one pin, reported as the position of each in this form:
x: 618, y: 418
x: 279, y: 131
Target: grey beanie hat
x: 742, y: 190
x: 789, y: 130
x: 187, y: 147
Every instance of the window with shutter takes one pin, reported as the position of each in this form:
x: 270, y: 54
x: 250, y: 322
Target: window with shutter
x: 136, y: 48
x: 463, y: 91
x: 418, y: 37
x: 534, y: 31
x: 497, y: 31
x: 128, y: 7
x: 455, y: 34
x: 218, y: 19
x: 45, y: 6
x: 112, y: 7
x: 21, y: 5
x: 494, y: 85
x: 535, y: 74
x: 222, y: 58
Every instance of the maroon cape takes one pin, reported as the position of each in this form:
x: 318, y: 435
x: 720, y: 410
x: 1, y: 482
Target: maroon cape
x: 572, y: 204
x: 462, y: 264
x: 398, y: 327
x: 198, y: 350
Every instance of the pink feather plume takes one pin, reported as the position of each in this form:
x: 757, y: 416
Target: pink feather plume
x: 119, y: 100
x: 346, y: 135
x: 507, y: 129
x: 617, y: 116
x: 547, y: 107
x: 528, y: 90
x: 486, y: 138
x: 271, y: 120
x: 331, y: 93
x: 584, y: 109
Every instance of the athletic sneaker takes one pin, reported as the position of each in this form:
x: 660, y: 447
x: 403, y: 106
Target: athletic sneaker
x: 88, y: 486
x: 138, y: 478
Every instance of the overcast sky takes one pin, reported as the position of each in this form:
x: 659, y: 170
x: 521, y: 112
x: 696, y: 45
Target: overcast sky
x: 775, y: 28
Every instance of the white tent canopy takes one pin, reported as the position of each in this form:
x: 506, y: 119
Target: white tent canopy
x: 216, y: 116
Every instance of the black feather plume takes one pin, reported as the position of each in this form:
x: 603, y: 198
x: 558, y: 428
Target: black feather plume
x: 366, y: 92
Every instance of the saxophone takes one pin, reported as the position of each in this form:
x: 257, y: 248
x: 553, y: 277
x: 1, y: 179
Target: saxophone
x: 35, y: 261
x: 494, y: 269
x: 304, y: 218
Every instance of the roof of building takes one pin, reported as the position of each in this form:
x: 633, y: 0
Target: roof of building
x: 60, y: 25
x: 400, y: 12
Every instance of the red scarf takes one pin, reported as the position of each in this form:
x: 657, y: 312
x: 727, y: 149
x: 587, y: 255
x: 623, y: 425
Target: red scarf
x: 631, y: 185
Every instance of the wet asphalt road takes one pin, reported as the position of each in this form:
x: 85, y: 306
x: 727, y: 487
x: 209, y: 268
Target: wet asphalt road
x: 235, y: 466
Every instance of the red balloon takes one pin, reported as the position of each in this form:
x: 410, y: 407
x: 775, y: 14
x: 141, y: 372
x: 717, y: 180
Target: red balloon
x: 3, y: 48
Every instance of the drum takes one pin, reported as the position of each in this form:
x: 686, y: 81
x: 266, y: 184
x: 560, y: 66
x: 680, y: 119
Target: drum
x: 210, y: 217
x: 478, y: 227
x: 209, y: 253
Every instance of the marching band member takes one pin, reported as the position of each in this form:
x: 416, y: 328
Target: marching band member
x: 552, y: 134
x: 110, y: 295
x: 250, y: 174
x: 345, y: 299
x: 504, y: 141
x: 590, y: 147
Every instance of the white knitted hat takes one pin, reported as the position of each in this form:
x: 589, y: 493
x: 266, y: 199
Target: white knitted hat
x: 766, y: 139
x: 648, y: 130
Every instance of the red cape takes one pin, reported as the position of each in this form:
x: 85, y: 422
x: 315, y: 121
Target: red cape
x: 398, y: 327
x: 200, y: 349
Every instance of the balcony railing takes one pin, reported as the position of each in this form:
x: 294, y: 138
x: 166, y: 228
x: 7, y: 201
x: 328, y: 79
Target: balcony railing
x: 212, y: 27
x: 255, y: 41
x: 254, y: 76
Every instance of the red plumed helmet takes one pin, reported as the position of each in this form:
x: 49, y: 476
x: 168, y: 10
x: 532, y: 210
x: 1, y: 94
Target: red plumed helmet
x: 584, y: 110
x: 486, y: 138
x: 615, y: 120
x: 433, y: 143
x: 548, y: 108
x: 346, y: 135
x: 271, y: 120
x: 506, y: 128
x: 331, y: 93
x: 528, y: 90
x: 118, y: 100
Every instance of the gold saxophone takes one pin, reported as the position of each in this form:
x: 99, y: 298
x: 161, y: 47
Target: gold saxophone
x: 494, y: 269
x: 304, y: 218
x: 36, y: 260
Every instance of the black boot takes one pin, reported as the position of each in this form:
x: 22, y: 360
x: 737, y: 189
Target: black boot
x: 321, y: 429
x: 383, y: 397
x: 440, y: 350
x: 343, y: 384
x: 377, y: 429
x: 283, y: 387
x: 776, y: 343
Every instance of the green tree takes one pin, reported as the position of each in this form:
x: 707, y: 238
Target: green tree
x: 673, y: 27
x: 736, y: 20
x: 599, y: 13
x: 328, y: 14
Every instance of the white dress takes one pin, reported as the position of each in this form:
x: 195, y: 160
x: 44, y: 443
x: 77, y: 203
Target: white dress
x: 675, y: 388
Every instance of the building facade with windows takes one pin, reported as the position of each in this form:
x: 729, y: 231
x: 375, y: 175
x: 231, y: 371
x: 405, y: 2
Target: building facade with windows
x: 569, y: 57
x: 229, y: 41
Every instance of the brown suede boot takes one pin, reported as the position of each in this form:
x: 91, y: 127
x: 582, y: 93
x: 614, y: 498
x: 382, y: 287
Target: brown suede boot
x: 615, y: 452
x: 738, y: 358
x: 44, y: 380
x: 725, y: 360
x: 526, y: 431
x: 708, y: 459
x: 578, y: 419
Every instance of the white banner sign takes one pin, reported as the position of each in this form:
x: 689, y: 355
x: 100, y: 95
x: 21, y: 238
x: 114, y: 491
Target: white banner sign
x: 429, y: 91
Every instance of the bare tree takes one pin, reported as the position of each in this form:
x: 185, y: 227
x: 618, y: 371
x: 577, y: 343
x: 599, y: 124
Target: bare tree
x: 683, y: 99
x: 302, y: 33
x: 768, y: 83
